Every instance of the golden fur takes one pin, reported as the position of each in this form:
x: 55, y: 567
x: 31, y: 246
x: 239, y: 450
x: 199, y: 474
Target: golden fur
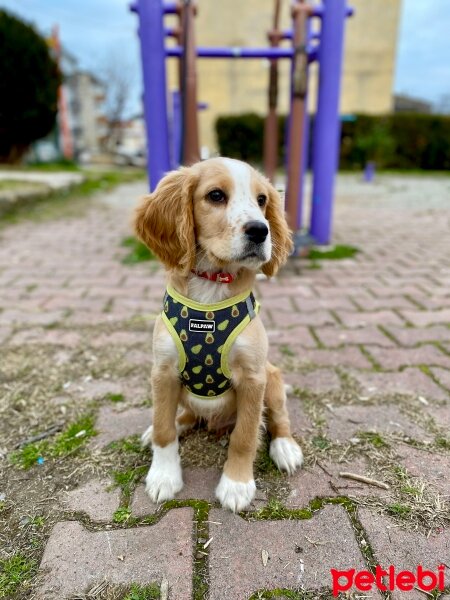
x: 185, y: 230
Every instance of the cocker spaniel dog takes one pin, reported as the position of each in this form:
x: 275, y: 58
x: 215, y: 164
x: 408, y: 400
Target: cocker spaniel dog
x: 214, y: 225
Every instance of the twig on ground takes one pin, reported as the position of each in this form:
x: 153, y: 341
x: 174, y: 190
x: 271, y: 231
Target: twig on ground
x: 40, y: 436
x: 364, y: 479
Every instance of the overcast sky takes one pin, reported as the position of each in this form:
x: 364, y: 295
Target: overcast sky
x: 92, y: 30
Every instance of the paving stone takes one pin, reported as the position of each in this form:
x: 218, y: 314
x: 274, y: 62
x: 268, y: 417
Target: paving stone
x: 92, y: 389
x: 409, y: 381
x: 69, y: 339
x: 345, y: 421
x: 392, y: 545
x: 431, y: 467
x: 422, y: 318
x: 347, y: 356
x: 199, y: 484
x: 121, y: 338
x: 14, y: 317
x: 410, y: 336
x: 292, y: 319
x: 299, y: 336
x: 337, y: 336
x: 94, y: 499
x: 394, y: 358
x: 235, y: 560
x: 300, y: 422
x: 113, y: 424
x: 318, y: 381
x: 363, y: 319
x: 387, y: 303
x: 75, y: 559
x: 5, y: 333
x: 324, y: 481
x: 443, y: 375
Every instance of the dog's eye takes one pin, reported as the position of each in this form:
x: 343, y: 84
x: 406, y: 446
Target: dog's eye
x: 216, y: 196
x: 262, y: 199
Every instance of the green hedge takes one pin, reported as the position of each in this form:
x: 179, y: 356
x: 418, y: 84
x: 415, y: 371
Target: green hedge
x: 397, y: 141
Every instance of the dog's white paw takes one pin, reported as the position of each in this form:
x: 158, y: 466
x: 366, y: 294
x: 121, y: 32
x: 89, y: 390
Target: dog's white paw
x: 235, y: 495
x: 147, y: 436
x: 286, y: 454
x: 164, y: 478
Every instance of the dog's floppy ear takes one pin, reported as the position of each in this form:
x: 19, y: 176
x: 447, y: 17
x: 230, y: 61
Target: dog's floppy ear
x: 164, y: 220
x: 279, y: 231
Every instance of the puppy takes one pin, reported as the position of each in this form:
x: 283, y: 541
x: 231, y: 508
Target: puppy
x: 214, y: 225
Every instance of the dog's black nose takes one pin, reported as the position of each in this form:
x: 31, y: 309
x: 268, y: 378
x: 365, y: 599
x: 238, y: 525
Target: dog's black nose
x: 256, y: 231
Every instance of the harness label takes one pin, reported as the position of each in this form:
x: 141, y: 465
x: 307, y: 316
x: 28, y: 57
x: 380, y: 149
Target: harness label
x: 199, y: 325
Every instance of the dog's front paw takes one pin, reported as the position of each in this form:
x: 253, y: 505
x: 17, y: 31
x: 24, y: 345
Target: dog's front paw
x: 164, y: 479
x: 147, y: 436
x: 286, y: 454
x: 235, y: 495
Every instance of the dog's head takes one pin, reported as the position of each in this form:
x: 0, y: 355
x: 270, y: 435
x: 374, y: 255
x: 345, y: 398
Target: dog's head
x: 221, y: 210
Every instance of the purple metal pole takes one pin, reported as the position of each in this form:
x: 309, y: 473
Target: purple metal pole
x: 176, y: 129
x: 319, y: 10
x: 305, y: 143
x: 327, y: 124
x: 203, y: 52
x: 151, y: 32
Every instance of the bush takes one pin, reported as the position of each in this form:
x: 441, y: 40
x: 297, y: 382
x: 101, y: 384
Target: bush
x: 397, y: 141
x: 28, y: 87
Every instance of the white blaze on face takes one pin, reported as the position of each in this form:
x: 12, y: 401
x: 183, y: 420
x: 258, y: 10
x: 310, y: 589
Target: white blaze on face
x: 243, y: 207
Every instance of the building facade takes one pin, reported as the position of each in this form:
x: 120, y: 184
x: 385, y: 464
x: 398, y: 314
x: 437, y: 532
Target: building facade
x: 234, y: 86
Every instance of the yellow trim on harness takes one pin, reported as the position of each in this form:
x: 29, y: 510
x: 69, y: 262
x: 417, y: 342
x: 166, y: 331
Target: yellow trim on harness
x: 207, y: 307
x: 176, y: 339
x: 230, y: 341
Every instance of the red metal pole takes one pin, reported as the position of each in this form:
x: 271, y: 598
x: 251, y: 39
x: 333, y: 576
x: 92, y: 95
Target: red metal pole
x: 271, y: 122
x: 191, y: 150
x: 300, y: 13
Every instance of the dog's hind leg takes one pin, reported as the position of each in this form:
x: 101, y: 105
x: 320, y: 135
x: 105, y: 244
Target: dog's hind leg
x: 185, y: 420
x: 284, y: 450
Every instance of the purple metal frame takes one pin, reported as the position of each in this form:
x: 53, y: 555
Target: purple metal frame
x: 328, y: 52
x: 327, y: 123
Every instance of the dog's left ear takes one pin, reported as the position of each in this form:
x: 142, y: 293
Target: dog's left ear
x: 279, y: 231
x: 164, y: 220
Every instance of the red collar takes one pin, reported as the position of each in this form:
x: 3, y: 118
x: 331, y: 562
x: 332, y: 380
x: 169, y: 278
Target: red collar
x: 218, y: 277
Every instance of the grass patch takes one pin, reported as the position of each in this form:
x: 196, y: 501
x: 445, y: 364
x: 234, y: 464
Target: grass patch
x: 442, y: 442
x: 122, y: 515
x: 398, y: 510
x: 138, y: 252
x: 63, y: 444
x: 14, y: 572
x: 338, y: 252
x: 131, y: 444
x: 115, y: 397
x: 148, y: 592
x: 127, y: 480
x: 373, y: 438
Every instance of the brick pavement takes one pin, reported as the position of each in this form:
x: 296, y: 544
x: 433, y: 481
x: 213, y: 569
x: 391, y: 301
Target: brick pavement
x: 365, y: 343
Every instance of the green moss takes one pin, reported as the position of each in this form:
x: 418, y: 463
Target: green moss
x: 115, y: 397
x: 263, y: 463
x: 286, y: 350
x: 131, y: 444
x: 374, y: 438
x: 122, y: 515
x: 128, y: 479
x: 398, y: 510
x: 148, y: 592
x: 442, y: 442
x: 338, y: 252
x: 138, y: 251
x: 63, y: 444
x: 14, y: 571
x: 321, y: 442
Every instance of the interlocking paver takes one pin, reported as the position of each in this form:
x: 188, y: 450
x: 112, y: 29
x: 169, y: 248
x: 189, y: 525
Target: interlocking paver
x: 394, y: 358
x: 93, y: 498
x: 299, y: 553
x: 67, y: 299
x: 113, y: 424
x: 405, y: 550
x: 410, y: 381
x: 346, y: 421
x: 75, y: 559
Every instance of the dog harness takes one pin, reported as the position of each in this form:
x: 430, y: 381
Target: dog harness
x: 204, y: 335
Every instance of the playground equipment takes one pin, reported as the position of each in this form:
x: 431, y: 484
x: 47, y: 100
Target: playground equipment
x: 172, y: 135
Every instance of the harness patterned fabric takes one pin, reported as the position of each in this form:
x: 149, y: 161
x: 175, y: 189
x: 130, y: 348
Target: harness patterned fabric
x: 204, y: 335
